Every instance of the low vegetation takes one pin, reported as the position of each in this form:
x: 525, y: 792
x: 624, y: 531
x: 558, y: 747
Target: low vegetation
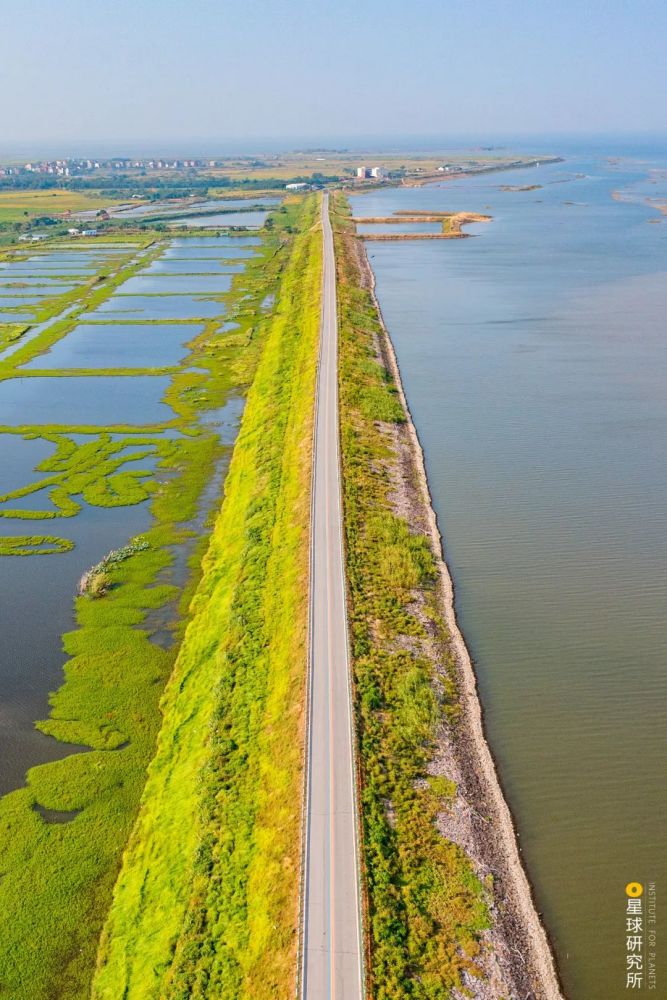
x: 206, y: 902
x: 62, y: 835
x: 18, y: 206
x: 426, y: 908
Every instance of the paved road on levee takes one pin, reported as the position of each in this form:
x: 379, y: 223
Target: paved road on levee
x: 332, y: 955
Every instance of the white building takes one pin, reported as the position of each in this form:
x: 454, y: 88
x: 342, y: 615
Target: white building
x: 301, y: 186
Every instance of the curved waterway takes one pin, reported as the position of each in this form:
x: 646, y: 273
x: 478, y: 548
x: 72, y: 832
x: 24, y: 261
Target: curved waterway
x: 534, y: 359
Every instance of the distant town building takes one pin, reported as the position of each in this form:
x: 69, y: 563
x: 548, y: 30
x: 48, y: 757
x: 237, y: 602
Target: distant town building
x: 89, y: 232
x: 73, y: 232
x: 366, y: 173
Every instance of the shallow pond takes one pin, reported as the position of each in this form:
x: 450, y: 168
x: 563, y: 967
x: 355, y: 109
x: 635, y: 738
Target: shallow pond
x: 9, y: 317
x: 101, y: 345
x: 175, y: 208
x: 145, y: 284
x: 36, y: 601
x: 95, y: 400
x: 157, y: 307
x: 43, y: 281
x: 194, y: 265
x: 20, y: 301
x: 36, y: 592
x: 253, y: 220
x: 211, y: 242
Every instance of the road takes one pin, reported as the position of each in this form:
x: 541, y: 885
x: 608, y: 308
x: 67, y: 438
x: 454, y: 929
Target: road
x: 331, y: 911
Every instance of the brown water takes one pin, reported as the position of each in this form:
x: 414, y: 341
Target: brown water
x: 534, y: 359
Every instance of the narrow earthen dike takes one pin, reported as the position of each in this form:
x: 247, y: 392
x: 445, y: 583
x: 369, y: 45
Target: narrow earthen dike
x: 452, y: 225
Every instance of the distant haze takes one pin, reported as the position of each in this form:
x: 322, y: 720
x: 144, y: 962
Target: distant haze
x: 219, y: 75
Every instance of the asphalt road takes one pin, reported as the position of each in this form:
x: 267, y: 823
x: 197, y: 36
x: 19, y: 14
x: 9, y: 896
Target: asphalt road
x: 332, y: 951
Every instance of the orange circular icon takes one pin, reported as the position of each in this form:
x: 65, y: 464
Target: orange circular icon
x: 634, y: 889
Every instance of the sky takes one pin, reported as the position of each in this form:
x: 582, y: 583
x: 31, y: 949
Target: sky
x: 217, y: 74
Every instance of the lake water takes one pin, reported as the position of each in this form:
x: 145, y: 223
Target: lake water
x: 534, y: 358
x: 376, y: 228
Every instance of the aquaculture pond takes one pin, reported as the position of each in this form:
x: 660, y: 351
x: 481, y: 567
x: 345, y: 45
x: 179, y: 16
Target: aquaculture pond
x: 252, y: 220
x: 21, y: 301
x: 117, y: 345
x: 116, y: 431
x: 164, y: 208
x: 534, y: 356
x: 141, y: 307
x: 85, y: 444
x: 168, y: 284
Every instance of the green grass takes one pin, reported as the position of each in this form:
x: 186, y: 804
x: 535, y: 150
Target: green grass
x: 19, y: 206
x: 206, y: 903
x: 10, y: 333
x: 56, y: 879
x: 425, y: 906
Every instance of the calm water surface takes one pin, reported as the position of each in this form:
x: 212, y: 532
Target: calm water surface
x: 252, y: 219
x: 208, y: 265
x: 85, y: 400
x: 534, y: 358
x: 36, y: 593
x: 180, y: 284
x: 130, y: 345
x: 140, y: 307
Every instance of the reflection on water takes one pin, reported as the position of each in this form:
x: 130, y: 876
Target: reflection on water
x: 81, y: 400
x: 139, y: 307
x: 534, y: 360
x: 195, y: 265
x: 251, y: 219
x: 211, y: 284
x: 128, y: 345
x: 36, y: 603
x: 36, y: 593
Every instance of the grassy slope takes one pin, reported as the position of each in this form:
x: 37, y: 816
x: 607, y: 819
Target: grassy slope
x: 426, y: 908
x: 206, y: 903
x: 56, y: 879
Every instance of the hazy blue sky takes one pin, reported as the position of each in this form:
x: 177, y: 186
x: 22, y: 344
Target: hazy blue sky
x: 147, y: 70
